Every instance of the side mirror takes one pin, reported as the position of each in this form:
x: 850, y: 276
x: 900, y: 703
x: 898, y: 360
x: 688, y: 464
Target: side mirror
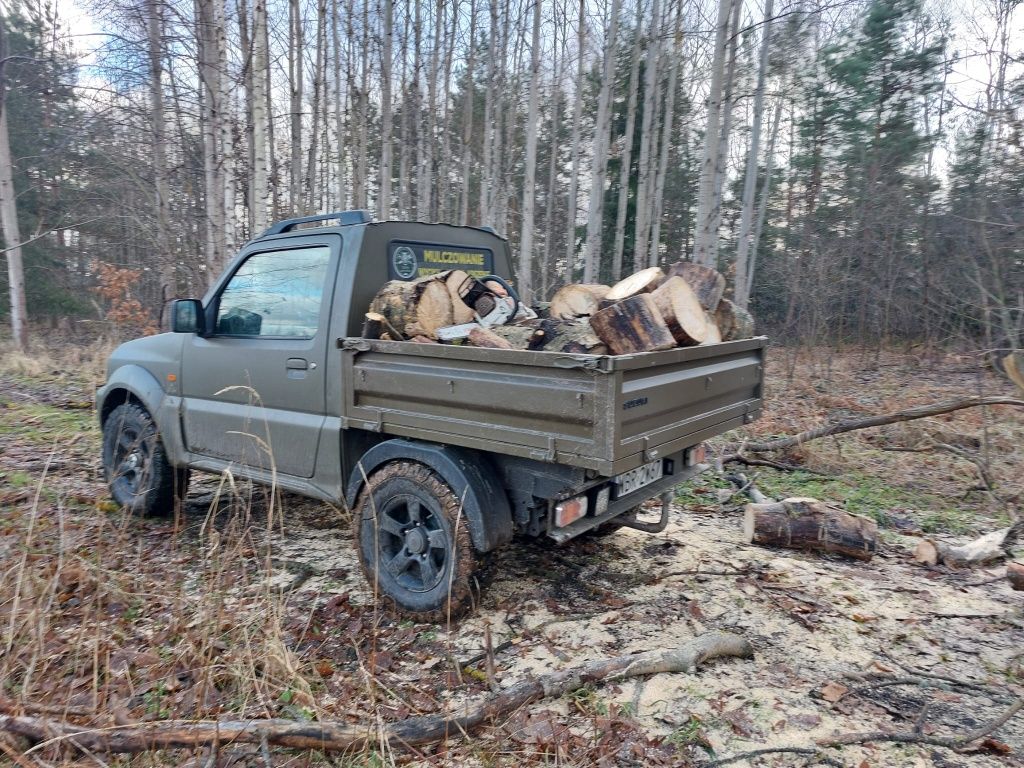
x: 187, y: 316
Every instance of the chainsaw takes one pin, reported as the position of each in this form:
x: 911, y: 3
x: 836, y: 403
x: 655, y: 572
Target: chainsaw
x: 490, y: 306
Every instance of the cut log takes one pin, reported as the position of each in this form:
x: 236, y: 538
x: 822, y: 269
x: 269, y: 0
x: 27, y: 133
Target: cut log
x: 417, y: 307
x: 460, y: 312
x: 1015, y: 574
x: 714, y: 336
x: 577, y: 300
x: 809, y: 524
x: 484, y: 337
x: 633, y: 325
x: 707, y: 283
x: 733, y: 321
x: 985, y: 549
x: 550, y: 335
x: 681, y: 312
x: 517, y: 336
x: 373, y: 325
x: 423, y: 340
x: 644, y: 281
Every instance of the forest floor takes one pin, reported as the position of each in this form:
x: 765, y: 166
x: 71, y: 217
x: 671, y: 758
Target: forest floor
x: 253, y: 604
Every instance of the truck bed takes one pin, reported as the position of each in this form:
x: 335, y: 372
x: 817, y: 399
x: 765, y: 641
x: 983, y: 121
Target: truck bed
x: 605, y: 413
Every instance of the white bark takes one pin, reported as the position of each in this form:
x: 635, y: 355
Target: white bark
x: 706, y: 238
x: 667, y: 120
x: 467, y: 118
x: 9, y: 215
x: 762, y: 206
x: 599, y: 167
x: 154, y: 28
x: 647, y: 139
x: 742, y: 283
x: 577, y: 116
x: 295, y: 72
x: 627, y: 149
x: 525, y: 276
x: 722, y: 159
x: 384, y: 198
x: 258, y: 183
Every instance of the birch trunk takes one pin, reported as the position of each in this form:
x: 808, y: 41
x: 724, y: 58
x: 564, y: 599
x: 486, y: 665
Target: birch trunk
x: 647, y: 139
x: 295, y: 67
x: 384, y: 198
x: 762, y: 206
x: 9, y: 215
x: 706, y: 237
x: 209, y: 114
x: 668, y: 118
x: 319, y: 81
x: 421, y: 149
x: 362, y: 160
x: 525, y: 276
x: 577, y: 116
x: 486, y: 182
x: 224, y: 116
x: 741, y: 292
x: 722, y: 158
x: 467, y: 118
x: 273, y: 167
x: 548, y: 257
x: 339, y: 97
x: 154, y: 27
x: 627, y: 150
x: 599, y: 167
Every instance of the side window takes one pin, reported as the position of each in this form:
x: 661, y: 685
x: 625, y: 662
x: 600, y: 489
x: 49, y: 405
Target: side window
x: 277, y: 293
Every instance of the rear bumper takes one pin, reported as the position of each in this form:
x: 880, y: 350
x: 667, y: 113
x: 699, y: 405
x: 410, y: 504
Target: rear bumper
x: 626, y: 503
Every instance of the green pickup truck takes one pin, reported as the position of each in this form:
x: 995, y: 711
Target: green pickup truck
x: 441, y: 452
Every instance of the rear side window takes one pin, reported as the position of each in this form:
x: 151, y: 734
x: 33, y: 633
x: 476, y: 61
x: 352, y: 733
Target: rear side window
x: 276, y: 293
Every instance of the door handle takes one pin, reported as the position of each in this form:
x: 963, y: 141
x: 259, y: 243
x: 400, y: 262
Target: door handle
x: 296, y: 364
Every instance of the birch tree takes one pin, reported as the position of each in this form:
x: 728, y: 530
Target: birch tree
x: 706, y: 237
x: 384, y: 196
x: 530, y: 181
x: 744, y: 276
x: 647, y: 137
x: 9, y: 213
x: 599, y: 166
x: 626, y: 161
x: 572, y: 208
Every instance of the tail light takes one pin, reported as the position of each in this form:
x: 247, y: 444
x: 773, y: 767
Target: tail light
x: 570, y: 510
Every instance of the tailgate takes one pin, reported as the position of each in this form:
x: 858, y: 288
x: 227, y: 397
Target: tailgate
x: 678, y: 398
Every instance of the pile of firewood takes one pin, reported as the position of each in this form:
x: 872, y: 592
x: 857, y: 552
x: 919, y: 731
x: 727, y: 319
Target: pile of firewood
x: 650, y: 310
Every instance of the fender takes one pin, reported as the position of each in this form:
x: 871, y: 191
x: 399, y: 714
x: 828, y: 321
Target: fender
x: 142, y: 386
x: 467, y: 473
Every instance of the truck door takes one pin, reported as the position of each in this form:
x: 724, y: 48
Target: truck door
x: 253, y: 387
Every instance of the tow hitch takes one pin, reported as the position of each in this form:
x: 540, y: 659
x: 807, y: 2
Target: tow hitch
x: 630, y: 521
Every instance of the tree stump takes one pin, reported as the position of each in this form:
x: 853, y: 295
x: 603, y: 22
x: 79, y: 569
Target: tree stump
x: 577, y: 300
x: 417, y: 307
x: 809, y: 524
x: 644, y: 281
x: 681, y: 312
x: 707, y: 283
x: 633, y: 325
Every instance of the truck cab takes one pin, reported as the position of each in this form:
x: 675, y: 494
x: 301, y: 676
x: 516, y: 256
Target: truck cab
x: 441, y: 453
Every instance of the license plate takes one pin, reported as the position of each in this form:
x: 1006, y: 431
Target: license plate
x: 637, y: 478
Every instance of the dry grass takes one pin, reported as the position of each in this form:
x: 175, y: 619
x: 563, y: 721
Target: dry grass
x: 105, y: 618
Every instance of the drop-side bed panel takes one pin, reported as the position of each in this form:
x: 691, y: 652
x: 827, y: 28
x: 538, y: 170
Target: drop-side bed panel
x: 608, y: 414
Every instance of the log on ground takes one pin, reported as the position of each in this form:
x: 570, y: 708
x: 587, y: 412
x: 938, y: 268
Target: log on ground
x: 681, y: 312
x: 644, y: 281
x: 707, y: 283
x: 328, y: 736
x: 416, y: 307
x: 809, y: 524
x: 577, y: 300
x: 984, y: 549
x: 633, y: 325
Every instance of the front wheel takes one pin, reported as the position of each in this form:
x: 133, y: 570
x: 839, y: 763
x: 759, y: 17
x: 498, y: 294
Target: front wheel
x: 413, y: 542
x: 135, y: 463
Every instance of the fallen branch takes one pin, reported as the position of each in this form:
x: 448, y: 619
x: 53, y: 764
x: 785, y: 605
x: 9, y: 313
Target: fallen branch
x: 850, y: 425
x: 819, y: 758
x: 985, y: 549
x: 335, y: 736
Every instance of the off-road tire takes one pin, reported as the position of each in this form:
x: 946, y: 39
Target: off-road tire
x: 435, y: 592
x: 156, y: 486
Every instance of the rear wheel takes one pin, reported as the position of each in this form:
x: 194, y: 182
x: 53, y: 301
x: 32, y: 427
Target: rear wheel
x: 135, y: 463
x: 413, y: 544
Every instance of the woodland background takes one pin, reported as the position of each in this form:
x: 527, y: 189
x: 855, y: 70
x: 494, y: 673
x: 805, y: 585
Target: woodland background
x: 855, y: 166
